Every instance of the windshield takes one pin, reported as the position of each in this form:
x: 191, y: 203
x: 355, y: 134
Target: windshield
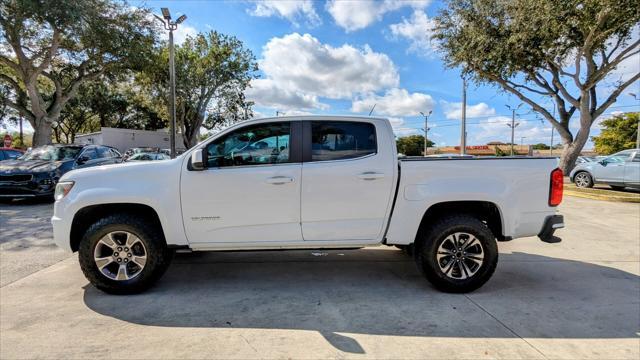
x: 620, y: 157
x: 52, y: 153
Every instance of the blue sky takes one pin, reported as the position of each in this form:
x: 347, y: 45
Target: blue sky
x: 342, y: 57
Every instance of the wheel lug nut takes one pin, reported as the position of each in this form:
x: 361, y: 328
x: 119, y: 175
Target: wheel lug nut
x: 115, y: 254
x: 126, y: 260
x: 129, y: 254
x: 119, y: 260
x: 126, y: 249
x: 119, y: 248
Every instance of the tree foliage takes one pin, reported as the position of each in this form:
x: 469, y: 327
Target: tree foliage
x: 212, y: 72
x: 541, y: 50
x: 51, y: 48
x: 102, y: 104
x: 412, y: 145
x: 617, y: 133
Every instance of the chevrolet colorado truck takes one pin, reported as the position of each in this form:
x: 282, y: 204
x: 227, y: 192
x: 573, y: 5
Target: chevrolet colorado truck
x: 305, y: 182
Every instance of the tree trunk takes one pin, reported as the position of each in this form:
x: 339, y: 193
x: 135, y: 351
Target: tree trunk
x: 42, y: 132
x: 572, y: 149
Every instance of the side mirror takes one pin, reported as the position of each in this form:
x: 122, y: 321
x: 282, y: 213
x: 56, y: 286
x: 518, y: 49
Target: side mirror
x: 603, y: 162
x: 197, y: 159
x: 82, y: 159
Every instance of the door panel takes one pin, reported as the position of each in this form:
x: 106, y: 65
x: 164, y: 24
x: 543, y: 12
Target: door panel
x: 344, y: 199
x: 250, y: 190
x: 632, y: 171
x: 242, y: 204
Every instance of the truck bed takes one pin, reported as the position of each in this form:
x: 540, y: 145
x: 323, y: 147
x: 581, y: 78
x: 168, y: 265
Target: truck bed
x: 518, y: 186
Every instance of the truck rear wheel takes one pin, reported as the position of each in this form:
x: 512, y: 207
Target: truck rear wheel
x: 122, y: 254
x: 458, y: 254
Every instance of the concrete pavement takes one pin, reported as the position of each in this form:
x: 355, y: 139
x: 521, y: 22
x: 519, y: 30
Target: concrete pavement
x: 576, y: 299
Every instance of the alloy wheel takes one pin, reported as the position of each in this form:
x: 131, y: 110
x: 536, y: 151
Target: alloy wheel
x: 460, y: 256
x: 120, y: 255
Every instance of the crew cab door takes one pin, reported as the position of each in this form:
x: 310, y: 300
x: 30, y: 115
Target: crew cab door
x: 250, y: 189
x: 347, y: 180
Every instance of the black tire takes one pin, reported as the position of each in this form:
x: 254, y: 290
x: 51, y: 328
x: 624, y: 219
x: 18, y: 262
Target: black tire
x: 583, y: 179
x: 617, y: 187
x: 431, y: 239
x: 158, y: 256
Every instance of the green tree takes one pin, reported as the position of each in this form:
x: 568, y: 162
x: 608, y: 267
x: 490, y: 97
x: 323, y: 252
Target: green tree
x: 541, y: 146
x: 53, y: 47
x: 212, y: 72
x: 412, y: 145
x: 617, y: 133
x: 541, y: 50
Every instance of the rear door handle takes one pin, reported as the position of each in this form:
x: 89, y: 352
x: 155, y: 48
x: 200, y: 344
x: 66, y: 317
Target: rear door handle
x: 370, y: 175
x: 279, y: 180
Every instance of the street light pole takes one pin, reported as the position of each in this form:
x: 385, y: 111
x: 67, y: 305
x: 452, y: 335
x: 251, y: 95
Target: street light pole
x: 171, y: 26
x: 426, y: 130
x: 513, y: 124
x: 552, y: 130
x: 638, y: 129
x: 172, y: 99
x: 463, y: 130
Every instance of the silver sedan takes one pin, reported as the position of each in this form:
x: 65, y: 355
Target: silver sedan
x: 619, y: 170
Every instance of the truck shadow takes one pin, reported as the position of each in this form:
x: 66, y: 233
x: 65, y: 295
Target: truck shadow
x: 380, y: 292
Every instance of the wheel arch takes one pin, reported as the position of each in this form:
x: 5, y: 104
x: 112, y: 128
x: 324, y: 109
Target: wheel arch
x: 88, y: 215
x: 573, y: 176
x: 486, y: 211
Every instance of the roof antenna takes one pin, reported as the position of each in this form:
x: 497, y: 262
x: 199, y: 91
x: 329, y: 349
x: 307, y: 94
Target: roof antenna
x: 374, y: 106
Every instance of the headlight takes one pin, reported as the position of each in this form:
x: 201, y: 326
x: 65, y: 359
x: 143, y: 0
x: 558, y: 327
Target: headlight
x: 62, y: 189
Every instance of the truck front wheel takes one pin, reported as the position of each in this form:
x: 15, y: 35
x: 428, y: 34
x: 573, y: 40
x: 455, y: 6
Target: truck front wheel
x: 458, y: 254
x: 123, y: 254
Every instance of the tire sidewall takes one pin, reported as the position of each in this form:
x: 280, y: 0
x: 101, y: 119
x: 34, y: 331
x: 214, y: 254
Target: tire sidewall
x: 426, y: 257
x: 156, y: 255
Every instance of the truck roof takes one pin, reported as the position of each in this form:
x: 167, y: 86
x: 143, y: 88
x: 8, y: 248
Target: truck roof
x: 319, y: 118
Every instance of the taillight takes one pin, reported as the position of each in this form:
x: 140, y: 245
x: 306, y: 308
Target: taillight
x: 556, y: 187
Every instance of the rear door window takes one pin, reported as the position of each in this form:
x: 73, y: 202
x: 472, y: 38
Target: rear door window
x: 341, y: 140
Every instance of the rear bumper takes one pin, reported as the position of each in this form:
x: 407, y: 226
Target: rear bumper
x: 551, y: 224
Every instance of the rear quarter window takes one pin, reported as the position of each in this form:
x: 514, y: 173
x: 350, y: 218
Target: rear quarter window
x: 341, y: 140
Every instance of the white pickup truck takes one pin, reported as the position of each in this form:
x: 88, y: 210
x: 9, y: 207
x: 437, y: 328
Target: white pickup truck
x: 305, y: 182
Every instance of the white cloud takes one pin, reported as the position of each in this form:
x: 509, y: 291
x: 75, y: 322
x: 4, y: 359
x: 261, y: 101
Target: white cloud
x: 495, y: 129
x: 399, y: 128
x: 395, y: 102
x: 417, y: 31
x: 355, y: 15
x: 454, y: 110
x: 266, y: 92
x: 292, y: 10
x: 304, y: 65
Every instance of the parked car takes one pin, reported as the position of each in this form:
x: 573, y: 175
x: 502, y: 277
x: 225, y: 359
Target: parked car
x: 36, y: 173
x: 132, y: 151
x: 148, y: 157
x: 10, y: 153
x: 304, y: 182
x: 619, y: 170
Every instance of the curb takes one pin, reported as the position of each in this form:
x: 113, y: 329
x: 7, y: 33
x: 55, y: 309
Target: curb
x: 602, y: 197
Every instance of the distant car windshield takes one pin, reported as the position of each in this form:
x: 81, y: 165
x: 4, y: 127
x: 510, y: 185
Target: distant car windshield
x: 148, y: 156
x: 52, y: 153
x: 620, y: 157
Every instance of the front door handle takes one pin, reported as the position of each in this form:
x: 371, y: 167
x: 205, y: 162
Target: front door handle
x: 371, y: 175
x: 279, y: 180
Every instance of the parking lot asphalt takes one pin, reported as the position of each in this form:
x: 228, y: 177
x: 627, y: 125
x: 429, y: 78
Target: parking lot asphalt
x: 576, y: 299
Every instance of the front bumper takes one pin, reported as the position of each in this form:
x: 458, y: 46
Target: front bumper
x: 37, y: 185
x: 551, y: 224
